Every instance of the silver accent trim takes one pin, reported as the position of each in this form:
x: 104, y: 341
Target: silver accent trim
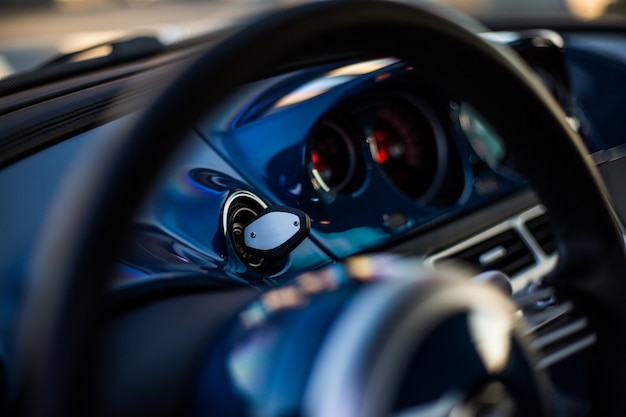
x: 539, y: 320
x: 229, y: 201
x: 271, y: 230
x: 608, y: 155
x: 559, y: 334
x: 570, y: 349
x: 492, y: 255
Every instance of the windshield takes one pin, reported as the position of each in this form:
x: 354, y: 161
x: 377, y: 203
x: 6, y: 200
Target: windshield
x: 34, y: 31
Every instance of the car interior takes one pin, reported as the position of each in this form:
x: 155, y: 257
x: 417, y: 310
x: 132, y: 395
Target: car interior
x: 337, y: 208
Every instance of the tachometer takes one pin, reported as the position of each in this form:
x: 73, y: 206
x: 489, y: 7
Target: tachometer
x: 405, y: 143
x: 333, y: 158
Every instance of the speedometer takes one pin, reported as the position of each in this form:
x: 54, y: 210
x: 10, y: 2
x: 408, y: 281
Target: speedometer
x: 405, y: 143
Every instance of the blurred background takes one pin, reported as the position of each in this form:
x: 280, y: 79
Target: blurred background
x: 33, y: 31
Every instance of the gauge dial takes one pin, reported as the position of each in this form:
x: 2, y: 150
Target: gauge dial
x: 333, y: 158
x: 404, y: 143
x: 484, y: 140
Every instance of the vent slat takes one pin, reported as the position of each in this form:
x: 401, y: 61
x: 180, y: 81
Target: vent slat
x: 541, y: 230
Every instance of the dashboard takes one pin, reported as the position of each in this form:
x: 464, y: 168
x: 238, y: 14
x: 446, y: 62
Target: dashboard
x: 374, y: 155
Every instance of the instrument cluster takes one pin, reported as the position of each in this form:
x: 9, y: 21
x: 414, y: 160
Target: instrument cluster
x: 430, y: 151
x: 373, y: 151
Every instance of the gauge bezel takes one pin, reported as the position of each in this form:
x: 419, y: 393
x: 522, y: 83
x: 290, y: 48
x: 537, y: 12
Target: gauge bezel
x: 352, y: 180
x: 438, y: 137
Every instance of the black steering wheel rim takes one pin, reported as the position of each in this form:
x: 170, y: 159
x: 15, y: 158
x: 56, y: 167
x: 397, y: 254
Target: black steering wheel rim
x: 59, y: 313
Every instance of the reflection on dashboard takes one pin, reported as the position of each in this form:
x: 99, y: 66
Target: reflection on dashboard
x: 332, y: 79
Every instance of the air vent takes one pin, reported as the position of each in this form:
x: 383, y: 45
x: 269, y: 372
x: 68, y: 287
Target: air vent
x: 541, y: 230
x: 505, y: 252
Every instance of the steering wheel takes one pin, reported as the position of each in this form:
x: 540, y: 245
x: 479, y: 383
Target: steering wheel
x: 58, y: 335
